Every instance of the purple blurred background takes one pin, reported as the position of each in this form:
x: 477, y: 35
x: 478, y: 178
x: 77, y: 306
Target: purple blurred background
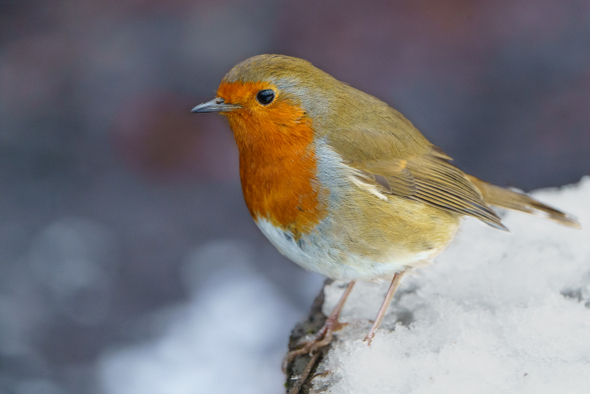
x: 110, y: 186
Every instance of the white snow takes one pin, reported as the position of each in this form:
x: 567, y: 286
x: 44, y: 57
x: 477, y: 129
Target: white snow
x: 496, y: 313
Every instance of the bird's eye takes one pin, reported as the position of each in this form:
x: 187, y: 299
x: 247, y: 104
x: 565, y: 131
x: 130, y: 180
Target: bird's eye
x: 266, y: 96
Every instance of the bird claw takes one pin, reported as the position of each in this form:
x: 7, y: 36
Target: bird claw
x: 323, y: 338
x: 369, y: 339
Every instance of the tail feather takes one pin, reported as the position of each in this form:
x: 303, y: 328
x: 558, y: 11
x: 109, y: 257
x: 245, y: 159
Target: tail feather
x: 509, y: 199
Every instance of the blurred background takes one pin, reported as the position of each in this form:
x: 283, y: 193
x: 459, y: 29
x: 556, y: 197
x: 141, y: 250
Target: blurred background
x: 128, y: 260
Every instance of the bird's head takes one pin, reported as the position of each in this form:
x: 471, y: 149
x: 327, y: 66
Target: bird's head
x: 273, y: 96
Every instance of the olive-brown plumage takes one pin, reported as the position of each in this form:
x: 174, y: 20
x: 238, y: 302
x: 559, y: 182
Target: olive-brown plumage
x: 343, y: 184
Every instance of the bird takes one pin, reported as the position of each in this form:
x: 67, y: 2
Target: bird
x: 343, y: 184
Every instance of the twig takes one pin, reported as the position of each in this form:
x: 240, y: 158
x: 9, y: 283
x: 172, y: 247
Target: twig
x: 305, y: 373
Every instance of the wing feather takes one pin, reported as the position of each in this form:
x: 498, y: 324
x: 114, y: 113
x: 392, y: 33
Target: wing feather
x: 431, y: 179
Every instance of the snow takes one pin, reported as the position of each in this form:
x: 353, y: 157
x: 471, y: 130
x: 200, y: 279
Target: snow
x: 497, y: 313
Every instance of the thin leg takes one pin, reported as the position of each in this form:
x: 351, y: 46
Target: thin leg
x: 333, y: 318
x: 324, y: 336
x: 392, y: 288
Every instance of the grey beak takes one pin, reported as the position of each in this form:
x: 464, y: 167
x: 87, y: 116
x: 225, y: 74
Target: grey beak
x: 215, y: 105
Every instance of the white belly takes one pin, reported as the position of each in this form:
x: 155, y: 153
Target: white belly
x: 318, y: 254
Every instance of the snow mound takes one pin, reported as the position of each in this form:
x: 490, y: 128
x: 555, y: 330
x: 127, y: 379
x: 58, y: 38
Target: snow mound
x: 498, y: 312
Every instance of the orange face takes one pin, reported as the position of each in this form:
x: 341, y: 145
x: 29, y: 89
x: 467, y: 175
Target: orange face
x: 278, y: 165
x: 278, y: 120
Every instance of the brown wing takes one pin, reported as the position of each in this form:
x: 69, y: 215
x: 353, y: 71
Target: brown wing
x: 395, y: 158
x: 429, y: 178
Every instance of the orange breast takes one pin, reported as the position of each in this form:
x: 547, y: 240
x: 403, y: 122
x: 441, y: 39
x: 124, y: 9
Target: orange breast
x: 278, y: 166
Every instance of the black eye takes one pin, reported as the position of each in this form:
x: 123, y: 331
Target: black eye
x: 266, y: 96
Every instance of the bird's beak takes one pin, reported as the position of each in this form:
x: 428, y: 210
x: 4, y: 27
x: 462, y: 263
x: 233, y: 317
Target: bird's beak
x: 215, y: 105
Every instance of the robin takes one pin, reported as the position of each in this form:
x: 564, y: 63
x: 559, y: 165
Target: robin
x: 343, y: 184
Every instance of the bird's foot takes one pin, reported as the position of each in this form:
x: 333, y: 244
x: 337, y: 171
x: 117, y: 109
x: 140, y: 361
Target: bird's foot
x: 323, y: 338
x: 369, y: 338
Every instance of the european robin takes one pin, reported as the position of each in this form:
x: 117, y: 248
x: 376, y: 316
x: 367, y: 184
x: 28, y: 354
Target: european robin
x: 343, y: 184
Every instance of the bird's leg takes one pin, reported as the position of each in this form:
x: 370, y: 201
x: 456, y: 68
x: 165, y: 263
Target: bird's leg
x: 324, y: 336
x: 392, y: 288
